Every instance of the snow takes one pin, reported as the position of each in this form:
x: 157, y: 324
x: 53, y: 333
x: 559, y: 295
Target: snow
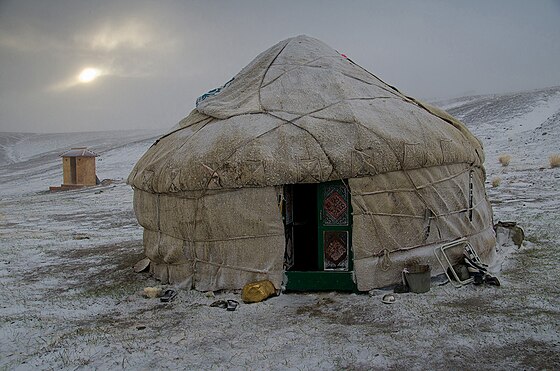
x: 35, y: 157
x: 71, y: 299
x: 534, y: 118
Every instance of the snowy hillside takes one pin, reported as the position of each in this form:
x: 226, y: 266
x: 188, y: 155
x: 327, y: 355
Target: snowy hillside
x: 524, y: 123
x: 525, y: 126
x: 32, y: 163
x: 71, y: 299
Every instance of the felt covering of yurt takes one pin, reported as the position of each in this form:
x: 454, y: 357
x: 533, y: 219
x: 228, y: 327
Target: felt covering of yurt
x: 207, y: 192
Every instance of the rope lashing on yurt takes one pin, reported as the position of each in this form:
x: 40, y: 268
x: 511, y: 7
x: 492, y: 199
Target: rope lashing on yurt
x: 209, y: 193
x: 386, y: 261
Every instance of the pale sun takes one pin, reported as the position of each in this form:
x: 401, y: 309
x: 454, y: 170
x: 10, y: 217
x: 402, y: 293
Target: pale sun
x: 88, y: 75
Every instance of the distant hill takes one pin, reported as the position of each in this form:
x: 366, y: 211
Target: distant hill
x: 31, y: 163
x: 496, y: 109
x: 525, y: 124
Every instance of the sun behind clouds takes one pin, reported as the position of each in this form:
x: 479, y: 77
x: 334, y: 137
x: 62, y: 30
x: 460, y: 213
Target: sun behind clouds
x: 85, y: 77
x: 88, y: 75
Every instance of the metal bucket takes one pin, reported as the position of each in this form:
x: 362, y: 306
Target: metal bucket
x: 418, y: 278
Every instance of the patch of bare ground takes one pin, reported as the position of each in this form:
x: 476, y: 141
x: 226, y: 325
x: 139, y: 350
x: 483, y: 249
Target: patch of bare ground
x: 98, y: 270
x: 527, y: 354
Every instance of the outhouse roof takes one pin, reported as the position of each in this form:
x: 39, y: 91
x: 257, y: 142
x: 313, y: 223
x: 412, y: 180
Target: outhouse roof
x: 79, y: 152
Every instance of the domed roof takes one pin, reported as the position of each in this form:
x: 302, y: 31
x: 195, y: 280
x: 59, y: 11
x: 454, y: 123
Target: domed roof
x: 300, y: 112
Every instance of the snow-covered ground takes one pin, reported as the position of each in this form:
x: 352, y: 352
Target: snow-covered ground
x: 71, y: 299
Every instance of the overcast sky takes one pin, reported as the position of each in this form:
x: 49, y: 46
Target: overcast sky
x: 153, y: 58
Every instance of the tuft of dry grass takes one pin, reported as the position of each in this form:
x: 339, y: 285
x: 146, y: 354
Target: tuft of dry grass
x: 554, y: 160
x: 504, y: 159
x: 496, y: 181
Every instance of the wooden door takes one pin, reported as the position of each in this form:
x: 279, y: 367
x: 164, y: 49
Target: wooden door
x: 73, y: 174
x: 334, y: 228
x: 318, y: 252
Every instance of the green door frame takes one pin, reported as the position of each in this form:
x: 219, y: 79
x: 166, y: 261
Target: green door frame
x: 326, y: 280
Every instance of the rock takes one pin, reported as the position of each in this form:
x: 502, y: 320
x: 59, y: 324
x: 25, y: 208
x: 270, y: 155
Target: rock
x: 80, y: 237
x: 142, y: 265
x: 509, y: 230
x: 152, y: 292
x: 462, y: 271
x: 401, y: 288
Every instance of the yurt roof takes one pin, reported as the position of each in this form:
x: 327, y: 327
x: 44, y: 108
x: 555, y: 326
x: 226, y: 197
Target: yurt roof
x: 79, y: 152
x: 300, y: 112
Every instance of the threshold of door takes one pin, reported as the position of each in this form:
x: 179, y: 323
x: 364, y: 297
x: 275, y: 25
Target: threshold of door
x: 320, y: 281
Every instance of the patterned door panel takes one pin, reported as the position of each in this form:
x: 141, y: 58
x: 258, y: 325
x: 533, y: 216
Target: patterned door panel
x: 334, y: 226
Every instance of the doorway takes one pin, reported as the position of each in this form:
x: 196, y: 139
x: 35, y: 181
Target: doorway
x: 73, y: 176
x: 318, y: 225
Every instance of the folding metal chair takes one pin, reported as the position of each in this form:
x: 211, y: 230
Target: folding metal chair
x: 445, y: 262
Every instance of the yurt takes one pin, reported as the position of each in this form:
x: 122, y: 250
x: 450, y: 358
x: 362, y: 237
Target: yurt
x: 309, y: 171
